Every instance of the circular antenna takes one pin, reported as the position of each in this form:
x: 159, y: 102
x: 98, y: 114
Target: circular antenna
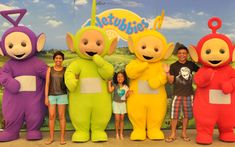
x: 214, y: 24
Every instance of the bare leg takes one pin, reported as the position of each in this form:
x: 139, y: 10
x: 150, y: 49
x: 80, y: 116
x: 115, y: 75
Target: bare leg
x: 61, y: 110
x: 52, y: 115
x: 173, y: 128
x: 117, y: 122
x: 121, y: 125
x: 184, y: 128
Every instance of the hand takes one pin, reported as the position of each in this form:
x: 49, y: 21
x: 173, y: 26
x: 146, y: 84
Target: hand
x: 4, y: 77
x: 47, y: 101
x: 166, y: 68
x: 227, y: 87
x: 110, y: 82
x: 99, y: 61
x: 129, y: 92
x: 142, y: 66
x: 208, y: 74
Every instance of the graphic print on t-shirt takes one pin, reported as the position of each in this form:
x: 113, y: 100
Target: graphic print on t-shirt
x: 184, y: 76
x: 121, y: 92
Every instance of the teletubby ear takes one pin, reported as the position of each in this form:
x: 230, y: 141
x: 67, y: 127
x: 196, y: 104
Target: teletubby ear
x: 1, y: 53
x: 113, y: 45
x: 41, y: 42
x: 193, y: 53
x: 233, y: 57
x: 131, y: 44
x: 69, y: 41
x: 170, y: 49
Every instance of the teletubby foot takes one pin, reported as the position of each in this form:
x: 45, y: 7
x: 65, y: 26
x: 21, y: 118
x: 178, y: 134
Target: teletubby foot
x: 7, y: 136
x: 80, y: 136
x: 204, y: 139
x: 155, y: 134
x: 138, y: 135
x: 227, y: 137
x: 34, y: 135
x: 99, y: 136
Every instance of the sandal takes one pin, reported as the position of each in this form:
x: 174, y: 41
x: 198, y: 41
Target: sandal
x: 49, y: 142
x: 186, y: 138
x: 170, y: 139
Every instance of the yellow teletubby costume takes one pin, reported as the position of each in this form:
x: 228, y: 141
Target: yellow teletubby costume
x: 147, y: 104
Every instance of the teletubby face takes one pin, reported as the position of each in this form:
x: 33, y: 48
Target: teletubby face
x: 91, y: 43
x: 215, y: 52
x: 18, y: 45
x: 150, y: 46
x: 19, y: 42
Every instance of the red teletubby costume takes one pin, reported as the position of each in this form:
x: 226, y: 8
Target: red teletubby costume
x: 215, y: 94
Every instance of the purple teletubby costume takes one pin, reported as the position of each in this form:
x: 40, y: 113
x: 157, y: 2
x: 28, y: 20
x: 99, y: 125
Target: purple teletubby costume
x: 23, y: 79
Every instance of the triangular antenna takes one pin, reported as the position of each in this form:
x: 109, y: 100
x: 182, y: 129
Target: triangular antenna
x: 93, y: 12
x: 159, y: 20
x: 6, y: 14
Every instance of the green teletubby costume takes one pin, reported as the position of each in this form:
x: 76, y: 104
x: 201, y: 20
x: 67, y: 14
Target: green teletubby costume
x: 86, y: 78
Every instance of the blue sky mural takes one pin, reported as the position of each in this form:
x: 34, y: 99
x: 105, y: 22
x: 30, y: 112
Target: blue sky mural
x: 185, y: 20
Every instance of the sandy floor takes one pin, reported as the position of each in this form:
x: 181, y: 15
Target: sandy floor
x: 112, y: 142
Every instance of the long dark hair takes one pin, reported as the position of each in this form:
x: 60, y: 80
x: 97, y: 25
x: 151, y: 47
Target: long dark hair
x: 124, y: 75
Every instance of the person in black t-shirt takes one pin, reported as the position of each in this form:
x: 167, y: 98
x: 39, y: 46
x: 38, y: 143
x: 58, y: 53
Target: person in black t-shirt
x: 180, y: 76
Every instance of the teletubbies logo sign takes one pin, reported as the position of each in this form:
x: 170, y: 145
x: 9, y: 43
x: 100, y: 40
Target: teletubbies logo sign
x: 120, y: 23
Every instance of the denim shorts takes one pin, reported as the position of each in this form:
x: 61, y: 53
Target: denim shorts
x: 58, y: 99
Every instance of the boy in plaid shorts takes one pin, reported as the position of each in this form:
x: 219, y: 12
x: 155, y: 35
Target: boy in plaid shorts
x: 181, y: 77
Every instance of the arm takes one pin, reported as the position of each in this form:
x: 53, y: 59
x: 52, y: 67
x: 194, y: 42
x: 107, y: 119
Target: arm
x: 110, y: 86
x: 7, y: 81
x: 71, y: 76
x: 41, y: 69
x: 204, y: 76
x: 159, y: 80
x: 105, y: 69
x: 229, y: 86
x: 47, y: 86
x: 135, y: 69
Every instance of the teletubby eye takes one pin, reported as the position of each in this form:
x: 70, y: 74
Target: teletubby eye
x: 156, y: 49
x: 98, y: 43
x: 222, y: 51
x: 23, y: 44
x: 143, y: 47
x: 85, y: 41
x: 10, y: 45
x: 208, y: 51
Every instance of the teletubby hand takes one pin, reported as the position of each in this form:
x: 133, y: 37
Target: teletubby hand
x: 142, y: 66
x: 11, y: 84
x: 227, y: 87
x: 208, y: 74
x: 99, y: 61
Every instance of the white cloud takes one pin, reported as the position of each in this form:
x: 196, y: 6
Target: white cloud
x: 80, y: 2
x: 35, y: 1
x: 5, y: 24
x: 5, y: 7
x: 127, y: 3
x: 54, y: 23
x: 231, y: 36
x: 201, y: 13
x: 173, y: 23
x: 51, y: 6
x: 47, y: 17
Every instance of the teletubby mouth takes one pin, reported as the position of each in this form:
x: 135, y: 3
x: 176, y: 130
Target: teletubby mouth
x: 214, y: 61
x: 147, y: 57
x: 19, y: 56
x: 91, y: 53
